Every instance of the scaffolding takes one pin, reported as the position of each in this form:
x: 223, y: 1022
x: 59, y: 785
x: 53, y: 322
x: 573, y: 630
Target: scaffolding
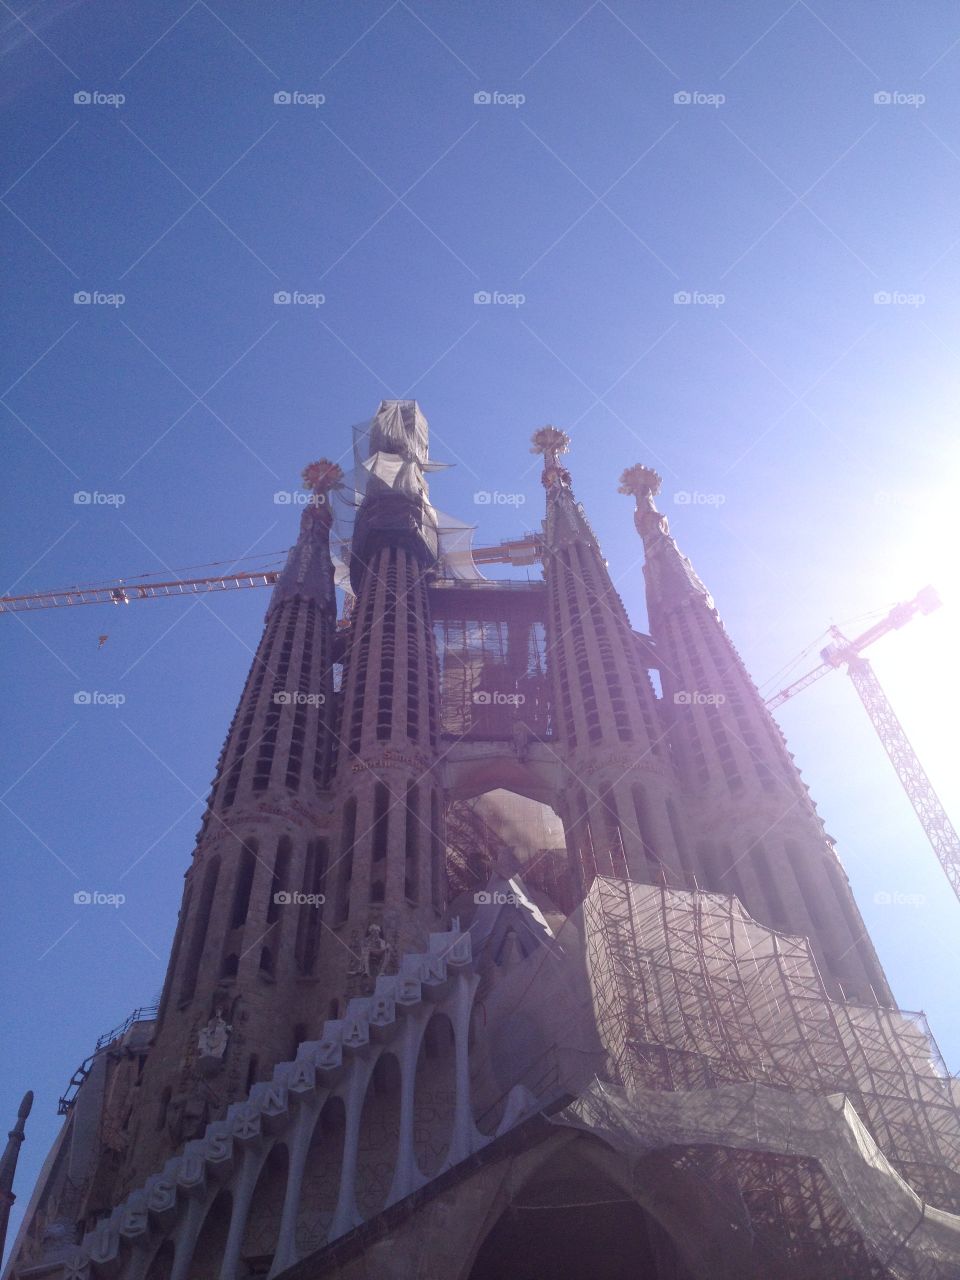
x: 693, y: 995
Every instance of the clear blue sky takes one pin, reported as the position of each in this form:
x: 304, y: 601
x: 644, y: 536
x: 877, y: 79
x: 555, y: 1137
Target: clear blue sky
x: 820, y: 423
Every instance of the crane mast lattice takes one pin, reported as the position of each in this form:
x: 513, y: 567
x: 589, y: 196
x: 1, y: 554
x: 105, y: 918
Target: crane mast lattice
x: 913, y: 777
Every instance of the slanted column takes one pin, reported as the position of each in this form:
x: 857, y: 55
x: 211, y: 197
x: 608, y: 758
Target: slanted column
x: 406, y: 1175
x: 309, y: 1100
x: 347, y: 1215
x: 242, y: 1191
x: 463, y: 1139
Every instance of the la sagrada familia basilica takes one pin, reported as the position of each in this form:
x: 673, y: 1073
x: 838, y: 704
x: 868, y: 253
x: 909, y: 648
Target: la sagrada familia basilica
x: 512, y: 945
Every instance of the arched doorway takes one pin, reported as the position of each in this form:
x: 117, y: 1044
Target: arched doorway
x: 570, y: 1222
x: 505, y: 827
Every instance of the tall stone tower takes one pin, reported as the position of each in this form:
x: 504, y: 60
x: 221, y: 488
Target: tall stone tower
x: 754, y: 829
x: 243, y: 957
x: 400, y: 1037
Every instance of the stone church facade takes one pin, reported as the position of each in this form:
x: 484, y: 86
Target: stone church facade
x: 391, y: 1043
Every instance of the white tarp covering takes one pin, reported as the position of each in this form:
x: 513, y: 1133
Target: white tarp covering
x: 401, y: 474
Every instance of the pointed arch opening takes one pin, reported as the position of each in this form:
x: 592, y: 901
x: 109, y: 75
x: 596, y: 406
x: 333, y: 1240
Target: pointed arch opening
x: 345, y: 876
x: 198, y: 936
x: 281, y: 874
x: 379, y: 1135
x: 571, y: 1220
x: 506, y: 827
x: 246, y: 865
x: 434, y: 1094
x: 163, y: 1107
x: 310, y: 912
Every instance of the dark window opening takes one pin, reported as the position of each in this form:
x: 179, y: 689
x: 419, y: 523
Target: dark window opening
x: 381, y: 821
x: 244, y: 883
x: 346, y: 860
x: 411, y: 862
x: 281, y: 873
x: 163, y: 1107
x: 199, y: 935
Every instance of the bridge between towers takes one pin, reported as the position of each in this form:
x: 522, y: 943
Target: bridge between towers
x: 492, y: 650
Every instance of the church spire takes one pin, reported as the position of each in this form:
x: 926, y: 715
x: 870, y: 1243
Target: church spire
x: 566, y: 520
x: 8, y: 1165
x: 611, y: 737
x: 263, y: 836
x: 733, y: 759
x: 670, y: 575
x: 308, y: 572
x: 390, y: 857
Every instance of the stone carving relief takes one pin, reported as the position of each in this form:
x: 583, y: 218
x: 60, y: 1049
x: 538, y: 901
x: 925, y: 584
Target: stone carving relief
x: 375, y: 955
x: 212, y: 1041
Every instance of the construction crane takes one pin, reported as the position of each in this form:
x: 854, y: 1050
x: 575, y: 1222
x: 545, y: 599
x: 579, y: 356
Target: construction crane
x: 122, y: 592
x: 515, y: 551
x: 519, y: 551
x: 920, y: 792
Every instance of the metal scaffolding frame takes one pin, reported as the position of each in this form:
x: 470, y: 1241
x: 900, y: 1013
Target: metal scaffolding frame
x: 691, y: 994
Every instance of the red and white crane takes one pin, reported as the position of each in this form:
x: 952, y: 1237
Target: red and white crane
x: 122, y: 591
